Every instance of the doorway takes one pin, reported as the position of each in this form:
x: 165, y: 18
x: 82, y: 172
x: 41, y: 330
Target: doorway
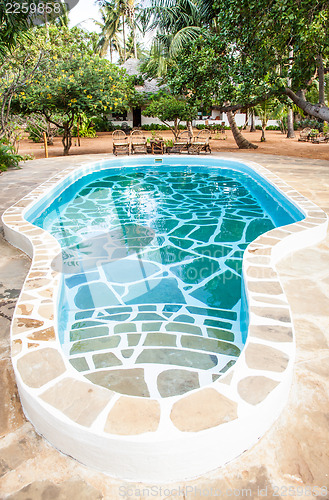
x: 137, y: 117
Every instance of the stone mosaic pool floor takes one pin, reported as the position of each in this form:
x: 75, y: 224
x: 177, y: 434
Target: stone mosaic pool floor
x: 159, y: 294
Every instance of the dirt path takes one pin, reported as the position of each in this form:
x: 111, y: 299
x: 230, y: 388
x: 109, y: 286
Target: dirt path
x: 276, y: 143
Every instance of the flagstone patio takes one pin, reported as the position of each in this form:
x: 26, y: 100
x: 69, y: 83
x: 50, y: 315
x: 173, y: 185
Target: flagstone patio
x: 294, y: 452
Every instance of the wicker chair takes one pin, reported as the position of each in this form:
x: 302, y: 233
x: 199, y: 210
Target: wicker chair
x: 304, y: 135
x: 120, y: 143
x: 138, y: 142
x: 320, y: 138
x: 182, y: 143
x: 201, y: 142
x: 157, y: 145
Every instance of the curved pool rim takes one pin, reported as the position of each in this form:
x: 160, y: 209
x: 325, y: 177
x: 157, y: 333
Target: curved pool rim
x: 170, y: 439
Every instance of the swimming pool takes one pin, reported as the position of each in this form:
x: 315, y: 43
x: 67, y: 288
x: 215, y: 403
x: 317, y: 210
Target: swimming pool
x: 176, y: 419
x: 152, y: 300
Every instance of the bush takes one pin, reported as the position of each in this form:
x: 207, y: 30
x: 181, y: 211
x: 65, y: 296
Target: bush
x: 102, y: 124
x: 155, y: 126
x: 35, y: 134
x: 86, y: 128
x: 214, y: 126
x: 273, y: 127
x: 311, y: 123
x: 269, y: 127
x: 8, y: 157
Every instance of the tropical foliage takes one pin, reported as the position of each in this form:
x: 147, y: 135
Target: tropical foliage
x: 64, y: 79
x: 79, y: 85
x: 9, y: 157
x: 257, y: 49
x: 119, y: 27
x: 271, y: 57
x: 171, y: 109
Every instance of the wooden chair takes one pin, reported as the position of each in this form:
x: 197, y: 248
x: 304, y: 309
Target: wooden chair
x: 201, y: 142
x: 182, y: 143
x: 320, y: 138
x: 138, y: 142
x: 157, y: 145
x: 120, y: 143
x: 304, y: 135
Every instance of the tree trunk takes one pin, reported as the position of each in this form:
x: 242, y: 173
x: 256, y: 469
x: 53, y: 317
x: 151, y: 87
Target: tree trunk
x: 290, y: 117
x: 105, y: 47
x: 263, y: 138
x: 133, y: 29
x: 290, y: 124
x: 176, y: 131
x: 5, y: 109
x: 189, y: 128
x: 67, y: 139
x: 241, y: 141
x: 124, y: 38
x: 321, y: 80
x: 315, y: 110
x: 246, y: 121
x: 252, y: 125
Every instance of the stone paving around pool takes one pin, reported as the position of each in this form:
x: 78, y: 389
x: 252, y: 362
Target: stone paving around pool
x: 251, y: 390
x: 268, y: 286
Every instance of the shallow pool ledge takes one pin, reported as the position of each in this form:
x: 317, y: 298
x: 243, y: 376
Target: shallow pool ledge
x: 169, y: 439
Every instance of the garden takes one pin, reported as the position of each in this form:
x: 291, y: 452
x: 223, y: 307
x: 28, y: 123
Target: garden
x: 157, y: 238
x: 61, y: 83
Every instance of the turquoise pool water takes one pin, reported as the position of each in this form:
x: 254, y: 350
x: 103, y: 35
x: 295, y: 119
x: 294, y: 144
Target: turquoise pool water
x: 152, y: 299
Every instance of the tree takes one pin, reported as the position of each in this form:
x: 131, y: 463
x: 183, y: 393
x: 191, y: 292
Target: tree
x: 171, y: 109
x: 117, y: 16
x: 265, y: 111
x: 284, y: 43
x: 177, y: 24
x: 18, y: 66
x: 86, y: 84
x: 180, y: 25
x: 110, y: 28
x: 70, y: 80
x: 205, y: 71
x: 17, y: 18
x: 30, y: 55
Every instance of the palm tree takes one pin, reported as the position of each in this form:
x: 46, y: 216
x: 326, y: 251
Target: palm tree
x: 130, y: 11
x: 117, y: 16
x: 177, y: 23
x: 110, y: 28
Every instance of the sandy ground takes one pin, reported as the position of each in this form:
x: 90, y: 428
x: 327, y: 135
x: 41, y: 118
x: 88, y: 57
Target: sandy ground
x: 276, y: 143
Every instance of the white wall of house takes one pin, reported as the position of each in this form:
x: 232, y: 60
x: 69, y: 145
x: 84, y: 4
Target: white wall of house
x: 215, y: 118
